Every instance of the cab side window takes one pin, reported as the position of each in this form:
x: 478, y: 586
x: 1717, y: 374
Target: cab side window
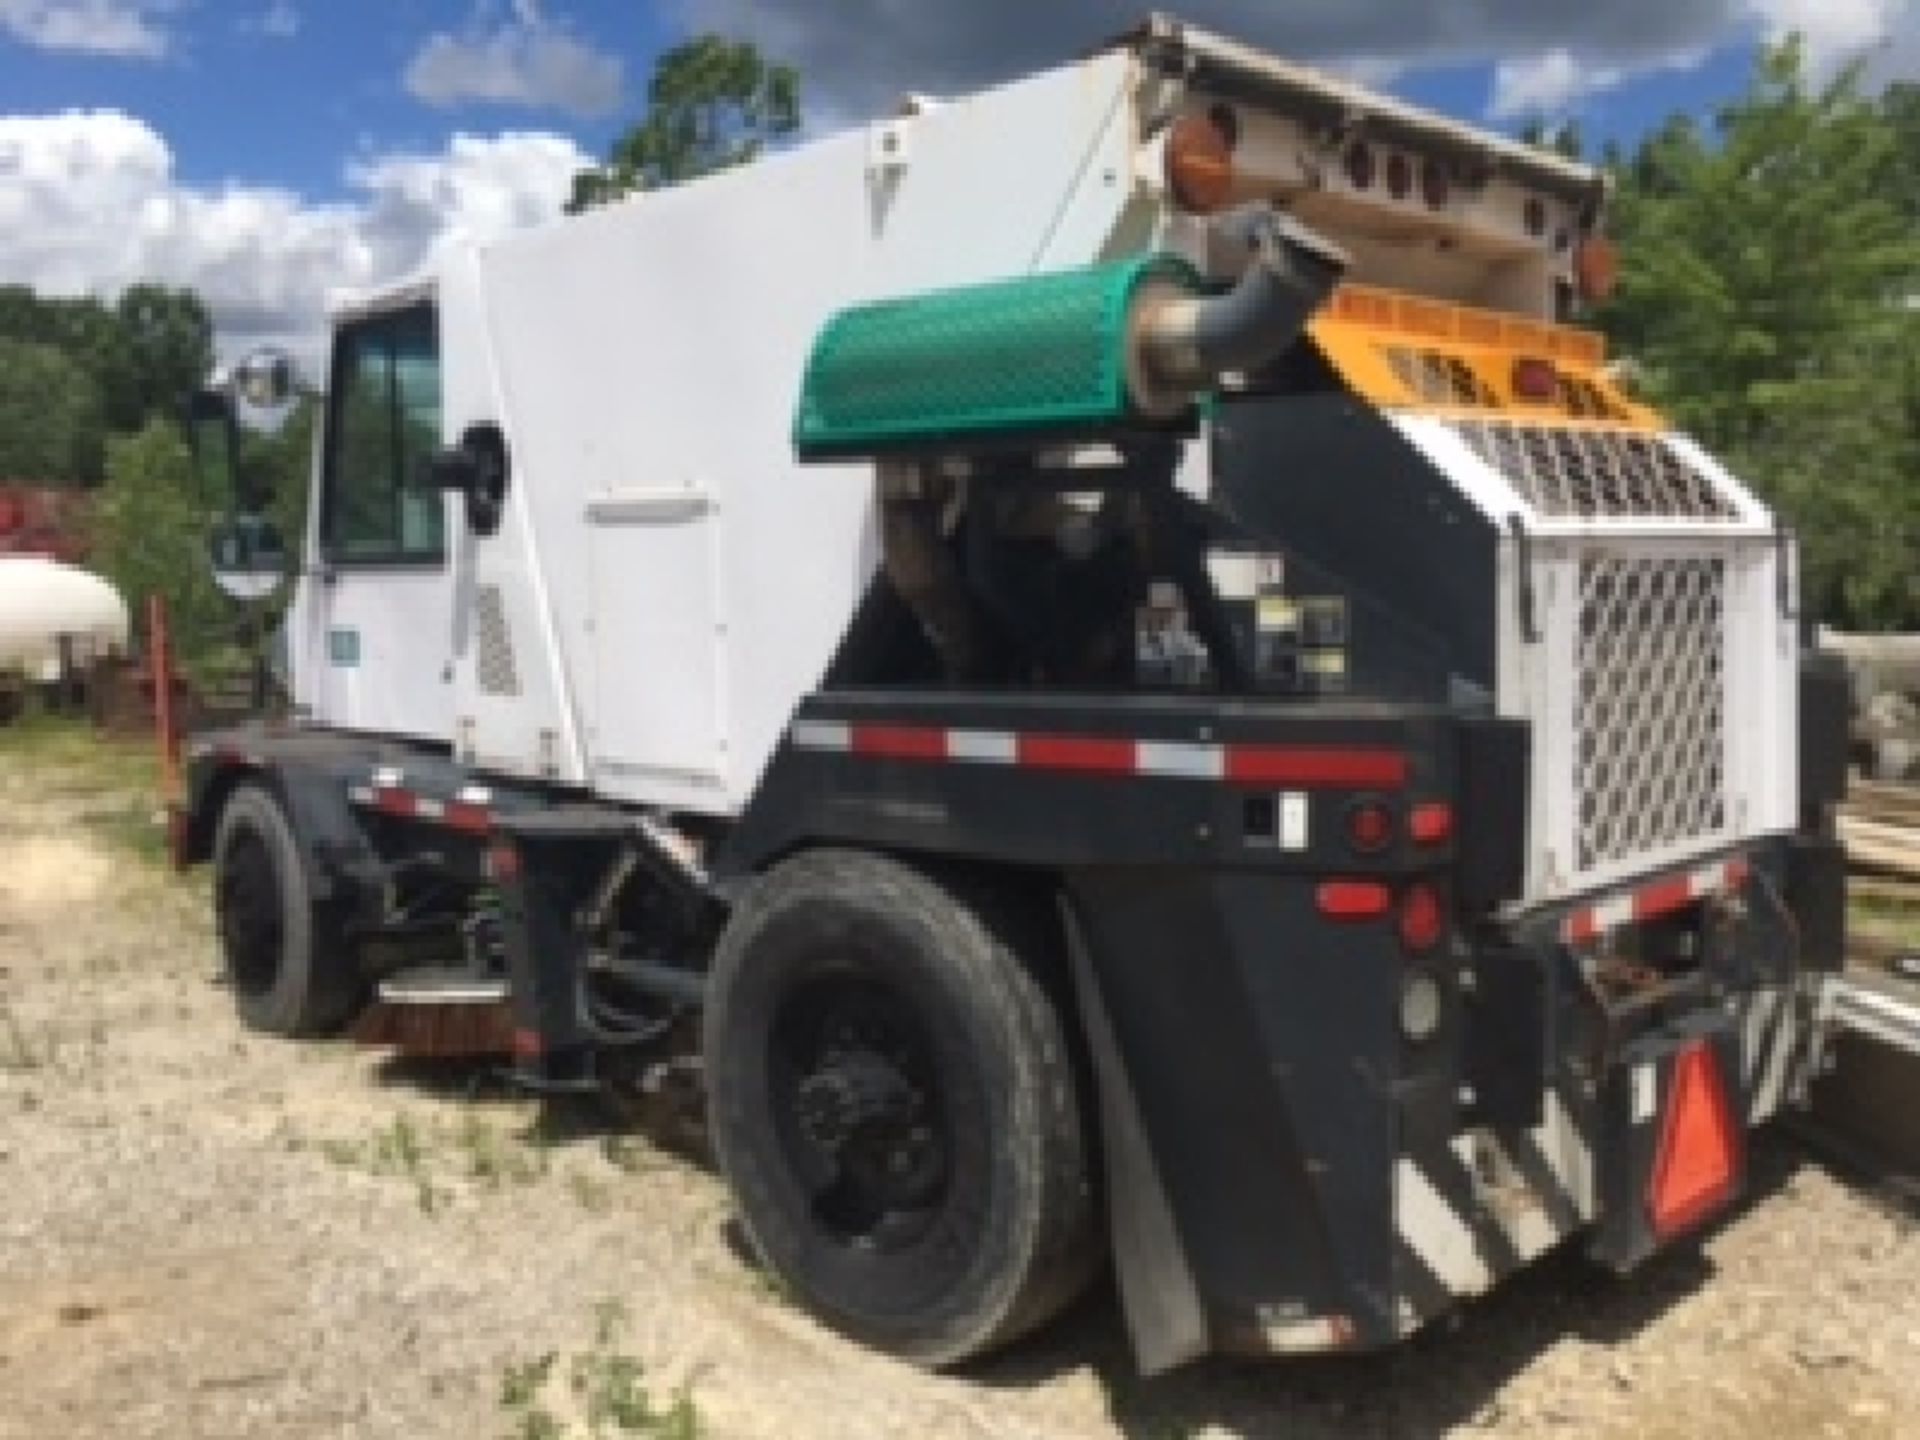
x: 384, y: 420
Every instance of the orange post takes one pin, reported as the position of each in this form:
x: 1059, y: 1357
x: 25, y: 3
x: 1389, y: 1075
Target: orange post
x: 160, y: 662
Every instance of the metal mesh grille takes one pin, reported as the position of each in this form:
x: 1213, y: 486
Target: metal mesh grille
x: 1587, y: 401
x: 1438, y: 379
x: 1596, y: 474
x: 495, y: 659
x: 1651, y: 716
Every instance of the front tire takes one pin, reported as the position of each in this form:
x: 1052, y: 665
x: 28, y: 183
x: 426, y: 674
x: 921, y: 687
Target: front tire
x: 291, y: 971
x: 893, y: 1102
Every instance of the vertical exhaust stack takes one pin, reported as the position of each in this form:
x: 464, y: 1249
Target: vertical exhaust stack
x: 1183, y: 344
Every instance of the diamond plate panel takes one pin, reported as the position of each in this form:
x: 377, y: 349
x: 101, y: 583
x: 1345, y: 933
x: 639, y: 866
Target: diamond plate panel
x: 1574, y: 474
x: 1650, y: 719
x: 494, y: 662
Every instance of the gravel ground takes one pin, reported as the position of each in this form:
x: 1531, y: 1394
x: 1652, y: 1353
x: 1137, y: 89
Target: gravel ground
x: 207, y: 1234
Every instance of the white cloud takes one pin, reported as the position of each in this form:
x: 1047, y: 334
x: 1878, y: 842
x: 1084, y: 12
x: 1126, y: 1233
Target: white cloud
x: 1552, y: 85
x: 1884, y: 32
x: 857, y: 55
x: 1542, y: 84
x: 528, y: 61
x: 279, y: 21
x: 89, y: 203
x: 123, y: 29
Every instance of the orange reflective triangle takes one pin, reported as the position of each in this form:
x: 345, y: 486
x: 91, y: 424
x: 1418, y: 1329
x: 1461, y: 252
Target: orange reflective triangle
x: 1699, y: 1155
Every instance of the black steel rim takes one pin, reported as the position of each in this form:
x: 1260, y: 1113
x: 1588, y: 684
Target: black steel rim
x: 252, y: 929
x: 856, y: 1101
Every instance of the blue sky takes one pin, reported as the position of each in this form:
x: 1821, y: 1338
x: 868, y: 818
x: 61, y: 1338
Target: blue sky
x: 265, y: 151
x: 284, y: 93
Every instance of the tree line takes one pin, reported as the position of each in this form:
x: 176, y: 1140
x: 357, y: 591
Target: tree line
x: 74, y: 372
x: 1769, y: 302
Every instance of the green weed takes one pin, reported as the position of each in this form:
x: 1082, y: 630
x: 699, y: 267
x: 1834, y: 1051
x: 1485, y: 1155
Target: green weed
x: 605, y: 1393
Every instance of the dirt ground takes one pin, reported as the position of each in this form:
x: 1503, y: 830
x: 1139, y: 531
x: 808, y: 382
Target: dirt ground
x: 206, y: 1234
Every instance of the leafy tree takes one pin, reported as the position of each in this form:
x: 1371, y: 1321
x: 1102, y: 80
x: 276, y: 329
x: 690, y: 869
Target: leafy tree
x: 1564, y: 139
x: 1902, y: 106
x: 50, y: 420
x: 139, y: 357
x: 712, y: 104
x: 1765, y: 295
x: 150, y: 530
x: 164, y: 351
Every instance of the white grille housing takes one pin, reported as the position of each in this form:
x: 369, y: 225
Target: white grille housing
x: 1660, y: 668
x: 1591, y: 474
x: 1650, y: 714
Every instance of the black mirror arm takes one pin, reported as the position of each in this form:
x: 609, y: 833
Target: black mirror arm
x: 453, y: 469
x: 477, y: 469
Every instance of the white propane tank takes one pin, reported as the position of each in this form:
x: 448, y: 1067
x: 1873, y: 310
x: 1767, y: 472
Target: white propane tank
x: 41, y: 600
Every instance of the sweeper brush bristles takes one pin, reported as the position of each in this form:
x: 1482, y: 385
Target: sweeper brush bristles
x: 438, y: 1032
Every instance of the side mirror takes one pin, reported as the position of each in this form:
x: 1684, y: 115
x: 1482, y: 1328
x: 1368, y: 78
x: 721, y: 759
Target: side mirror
x: 213, y: 435
x: 249, y: 556
x: 478, y: 468
x: 266, y: 379
x: 250, y: 560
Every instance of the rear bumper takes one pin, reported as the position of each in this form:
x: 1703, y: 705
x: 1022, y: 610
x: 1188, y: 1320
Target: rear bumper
x: 1476, y: 1200
x: 1331, y: 1184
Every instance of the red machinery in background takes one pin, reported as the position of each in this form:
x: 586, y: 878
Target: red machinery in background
x: 38, y: 520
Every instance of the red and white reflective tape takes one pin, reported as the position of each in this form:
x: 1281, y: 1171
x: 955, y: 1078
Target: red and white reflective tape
x: 225, y: 755
x: 1656, y: 899
x: 1300, y: 767
x: 471, y: 811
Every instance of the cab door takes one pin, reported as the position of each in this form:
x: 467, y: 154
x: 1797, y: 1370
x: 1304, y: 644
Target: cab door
x: 377, y: 606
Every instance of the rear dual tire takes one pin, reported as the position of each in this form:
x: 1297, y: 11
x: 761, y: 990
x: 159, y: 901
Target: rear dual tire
x: 894, y: 1103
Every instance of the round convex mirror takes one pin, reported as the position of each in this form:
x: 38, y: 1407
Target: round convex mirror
x: 250, y: 560
x: 266, y: 379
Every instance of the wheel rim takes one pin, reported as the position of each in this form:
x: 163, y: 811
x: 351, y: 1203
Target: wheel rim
x: 251, y: 926
x: 857, y: 1103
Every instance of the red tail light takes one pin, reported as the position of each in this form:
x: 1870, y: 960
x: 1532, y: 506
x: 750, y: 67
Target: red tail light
x: 1369, y: 827
x: 1431, y: 824
x: 1423, y: 918
x: 1597, y: 268
x: 1536, y: 380
x: 1354, y: 900
x: 1698, y: 1164
x: 1199, y: 165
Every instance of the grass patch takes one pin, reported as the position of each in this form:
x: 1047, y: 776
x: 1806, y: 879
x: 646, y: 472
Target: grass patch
x: 1885, y: 917
x: 597, y: 1394
x: 398, y: 1151
x: 441, y: 1161
x: 94, y: 763
x: 114, y: 781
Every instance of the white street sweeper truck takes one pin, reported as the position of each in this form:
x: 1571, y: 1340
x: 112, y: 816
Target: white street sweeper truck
x: 1106, y: 667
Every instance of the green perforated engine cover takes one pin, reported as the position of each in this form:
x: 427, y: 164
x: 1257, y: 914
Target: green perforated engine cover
x: 1037, y: 354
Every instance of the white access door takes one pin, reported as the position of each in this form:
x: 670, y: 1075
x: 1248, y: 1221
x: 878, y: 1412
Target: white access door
x: 375, y: 616
x: 659, y: 641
